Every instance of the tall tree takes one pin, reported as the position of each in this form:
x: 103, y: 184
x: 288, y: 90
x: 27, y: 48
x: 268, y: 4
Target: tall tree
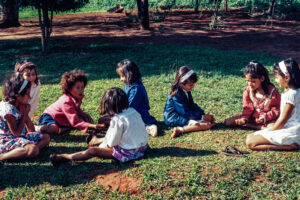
x: 46, y: 7
x: 10, y: 13
x: 271, y: 8
x: 143, y: 13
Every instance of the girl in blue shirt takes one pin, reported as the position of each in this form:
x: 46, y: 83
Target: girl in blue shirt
x: 180, y: 110
x: 137, y: 96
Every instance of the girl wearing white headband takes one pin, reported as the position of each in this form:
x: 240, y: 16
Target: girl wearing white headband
x: 285, y: 133
x: 181, y: 113
x: 15, y: 142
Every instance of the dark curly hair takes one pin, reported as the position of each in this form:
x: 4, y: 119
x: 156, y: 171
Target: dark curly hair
x: 257, y: 70
x: 113, y: 101
x: 68, y: 80
x: 293, y: 70
x: 11, y: 87
x: 28, y: 65
x: 180, y: 73
x: 130, y: 70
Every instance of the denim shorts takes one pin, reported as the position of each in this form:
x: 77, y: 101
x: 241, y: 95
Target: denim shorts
x: 46, y: 119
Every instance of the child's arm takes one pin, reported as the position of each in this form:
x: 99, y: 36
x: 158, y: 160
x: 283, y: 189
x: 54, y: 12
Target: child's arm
x: 286, y: 114
x: 15, y: 129
x: 248, y: 107
x: 28, y: 123
x: 275, y: 107
x: 134, y: 97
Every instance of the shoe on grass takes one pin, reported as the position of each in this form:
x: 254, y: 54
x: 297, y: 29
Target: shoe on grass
x: 152, y: 130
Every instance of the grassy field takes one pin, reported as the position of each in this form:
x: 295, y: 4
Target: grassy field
x: 188, y: 167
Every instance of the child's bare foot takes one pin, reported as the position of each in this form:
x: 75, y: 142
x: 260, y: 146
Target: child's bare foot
x: 94, y: 141
x: 56, y: 160
x: 177, y: 131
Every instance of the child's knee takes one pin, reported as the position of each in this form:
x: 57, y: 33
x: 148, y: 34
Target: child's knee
x: 229, y: 122
x: 250, y: 142
x: 46, y: 138
x: 31, y: 150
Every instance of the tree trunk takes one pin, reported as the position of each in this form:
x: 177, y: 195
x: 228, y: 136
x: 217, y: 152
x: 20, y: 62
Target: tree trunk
x: 45, y: 22
x: 143, y: 13
x: 196, y: 6
x: 10, y: 14
x: 270, y: 11
x: 225, y: 5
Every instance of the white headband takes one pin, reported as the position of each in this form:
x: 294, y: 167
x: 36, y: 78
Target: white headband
x: 283, y: 68
x: 23, y: 86
x: 186, y: 76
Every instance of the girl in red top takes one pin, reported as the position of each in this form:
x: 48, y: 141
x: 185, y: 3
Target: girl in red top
x: 66, y: 113
x: 261, y: 100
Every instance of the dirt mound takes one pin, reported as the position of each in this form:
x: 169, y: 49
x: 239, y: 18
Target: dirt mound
x: 115, y: 181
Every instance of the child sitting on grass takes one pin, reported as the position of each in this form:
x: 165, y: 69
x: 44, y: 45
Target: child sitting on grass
x: 65, y: 113
x: 126, y: 138
x: 180, y: 110
x: 28, y: 71
x: 137, y: 95
x: 15, y: 142
x: 285, y: 133
x: 261, y: 100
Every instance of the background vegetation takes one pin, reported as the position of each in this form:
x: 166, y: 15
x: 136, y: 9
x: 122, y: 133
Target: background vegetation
x: 188, y: 167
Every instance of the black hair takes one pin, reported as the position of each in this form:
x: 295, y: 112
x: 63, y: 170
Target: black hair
x: 130, y: 70
x: 113, y: 101
x: 257, y: 70
x: 293, y: 70
x: 180, y: 73
x: 30, y: 66
x: 11, y: 87
x: 69, y: 79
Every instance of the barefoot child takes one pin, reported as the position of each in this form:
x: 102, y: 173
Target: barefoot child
x: 15, y: 142
x: 261, y: 100
x: 285, y: 133
x: 137, y: 96
x: 65, y: 113
x: 126, y: 138
x: 29, y: 73
x: 180, y: 110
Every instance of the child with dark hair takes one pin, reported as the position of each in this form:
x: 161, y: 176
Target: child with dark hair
x: 285, y: 133
x: 180, y: 110
x: 126, y: 138
x: 66, y: 113
x: 28, y: 71
x: 15, y: 142
x: 137, y: 96
x: 261, y: 100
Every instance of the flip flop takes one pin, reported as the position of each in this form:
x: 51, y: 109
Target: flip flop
x: 232, y: 151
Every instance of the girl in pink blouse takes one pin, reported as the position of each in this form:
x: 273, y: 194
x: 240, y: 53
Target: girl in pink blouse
x: 66, y: 113
x: 261, y: 100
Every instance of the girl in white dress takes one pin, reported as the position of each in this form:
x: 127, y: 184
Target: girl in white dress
x: 28, y: 71
x: 285, y: 133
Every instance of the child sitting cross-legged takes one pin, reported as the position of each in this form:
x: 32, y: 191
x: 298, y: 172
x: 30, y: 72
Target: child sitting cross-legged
x: 126, y: 138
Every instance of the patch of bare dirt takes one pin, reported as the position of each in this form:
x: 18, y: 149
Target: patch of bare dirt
x: 115, y: 181
x: 239, y: 31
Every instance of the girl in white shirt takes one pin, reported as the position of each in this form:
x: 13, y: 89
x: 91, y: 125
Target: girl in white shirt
x: 28, y: 71
x: 126, y: 138
x: 285, y: 133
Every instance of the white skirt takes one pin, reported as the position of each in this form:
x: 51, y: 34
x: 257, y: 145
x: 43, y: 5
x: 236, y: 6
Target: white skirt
x: 285, y: 136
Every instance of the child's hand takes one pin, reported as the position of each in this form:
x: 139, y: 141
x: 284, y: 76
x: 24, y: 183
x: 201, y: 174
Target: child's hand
x: 26, y: 109
x: 100, y: 126
x: 260, y: 120
x: 241, y: 121
x: 209, y: 117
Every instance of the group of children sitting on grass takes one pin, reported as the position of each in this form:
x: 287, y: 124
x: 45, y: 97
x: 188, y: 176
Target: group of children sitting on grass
x: 126, y: 112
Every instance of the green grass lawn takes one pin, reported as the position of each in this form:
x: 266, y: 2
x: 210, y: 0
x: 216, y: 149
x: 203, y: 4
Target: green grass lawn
x: 188, y: 167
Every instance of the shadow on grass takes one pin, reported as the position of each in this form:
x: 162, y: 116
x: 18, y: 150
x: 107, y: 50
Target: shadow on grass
x: 176, y: 152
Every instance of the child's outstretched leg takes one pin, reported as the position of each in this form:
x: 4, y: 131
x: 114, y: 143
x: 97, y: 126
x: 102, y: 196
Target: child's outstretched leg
x: 105, y: 153
x: 197, y: 127
x: 28, y: 151
x: 259, y: 143
x: 44, y: 141
x: 50, y: 129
